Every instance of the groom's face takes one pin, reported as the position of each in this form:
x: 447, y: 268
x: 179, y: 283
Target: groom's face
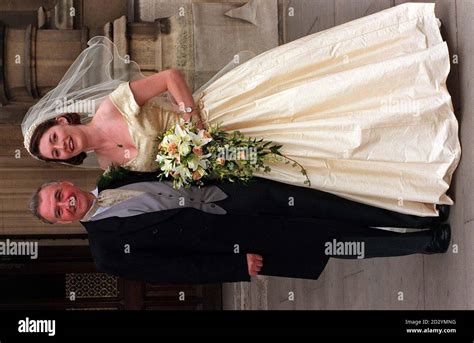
x: 63, y: 202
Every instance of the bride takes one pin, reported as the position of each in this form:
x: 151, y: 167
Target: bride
x: 362, y: 106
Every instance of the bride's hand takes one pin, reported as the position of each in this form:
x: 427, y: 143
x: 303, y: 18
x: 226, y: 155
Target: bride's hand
x: 200, y: 124
x: 197, y: 119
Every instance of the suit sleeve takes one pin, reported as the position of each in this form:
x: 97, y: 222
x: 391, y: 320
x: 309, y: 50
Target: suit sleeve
x: 196, y: 269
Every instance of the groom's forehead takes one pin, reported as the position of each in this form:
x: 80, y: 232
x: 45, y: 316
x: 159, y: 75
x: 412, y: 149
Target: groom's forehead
x: 48, y: 190
x: 47, y: 200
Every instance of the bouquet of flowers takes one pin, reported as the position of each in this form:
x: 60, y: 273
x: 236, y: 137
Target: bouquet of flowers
x: 191, y: 156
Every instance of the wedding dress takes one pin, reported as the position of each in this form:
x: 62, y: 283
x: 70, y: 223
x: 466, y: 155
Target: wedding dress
x: 362, y: 106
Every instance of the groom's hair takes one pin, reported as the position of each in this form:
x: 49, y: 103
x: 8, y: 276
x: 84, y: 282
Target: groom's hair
x: 34, y: 202
x: 73, y: 119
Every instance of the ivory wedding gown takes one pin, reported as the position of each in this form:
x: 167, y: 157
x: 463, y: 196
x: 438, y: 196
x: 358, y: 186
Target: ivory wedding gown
x: 362, y: 106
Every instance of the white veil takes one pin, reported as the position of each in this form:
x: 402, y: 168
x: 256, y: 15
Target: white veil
x: 95, y: 73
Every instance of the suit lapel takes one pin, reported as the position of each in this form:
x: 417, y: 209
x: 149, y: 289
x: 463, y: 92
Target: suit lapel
x: 129, y: 224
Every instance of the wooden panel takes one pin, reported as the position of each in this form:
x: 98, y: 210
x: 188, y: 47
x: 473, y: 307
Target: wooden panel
x: 97, y: 13
x: 13, y: 113
x: 25, y: 5
x: 347, y: 10
x: 303, y: 17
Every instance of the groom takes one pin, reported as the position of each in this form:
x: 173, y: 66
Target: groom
x: 143, y: 229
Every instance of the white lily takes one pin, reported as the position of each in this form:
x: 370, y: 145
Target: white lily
x: 184, y: 148
x: 198, y: 161
x: 199, y: 139
x: 167, y: 140
x: 167, y: 167
x: 184, y: 173
x: 182, y: 134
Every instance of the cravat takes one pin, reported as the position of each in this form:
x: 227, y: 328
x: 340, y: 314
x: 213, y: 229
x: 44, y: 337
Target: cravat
x: 110, y: 197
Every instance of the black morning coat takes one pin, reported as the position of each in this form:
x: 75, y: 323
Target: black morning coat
x: 186, y: 245
x: 288, y: 225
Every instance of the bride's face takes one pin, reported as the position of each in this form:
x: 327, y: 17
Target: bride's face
x: 62, y: 141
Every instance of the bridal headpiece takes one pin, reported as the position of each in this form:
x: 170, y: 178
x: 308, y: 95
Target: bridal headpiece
x: 95, y: 73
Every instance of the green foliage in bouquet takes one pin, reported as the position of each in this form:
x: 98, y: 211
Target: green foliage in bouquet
x: 112, y: 174
x: 191, y: 156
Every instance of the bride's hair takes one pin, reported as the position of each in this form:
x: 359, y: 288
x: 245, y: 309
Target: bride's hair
x: 72, y: 119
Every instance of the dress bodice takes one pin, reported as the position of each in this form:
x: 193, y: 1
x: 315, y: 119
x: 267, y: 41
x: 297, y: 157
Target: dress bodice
x: 145, y: 123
